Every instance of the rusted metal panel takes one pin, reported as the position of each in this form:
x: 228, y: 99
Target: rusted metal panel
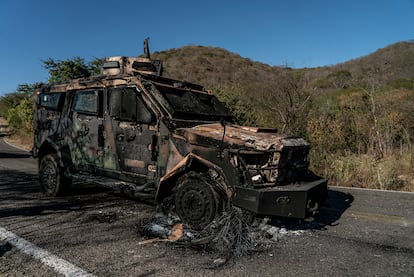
x: 240, y: 136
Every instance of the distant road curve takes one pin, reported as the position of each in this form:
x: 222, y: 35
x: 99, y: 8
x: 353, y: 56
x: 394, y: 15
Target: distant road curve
x: 13, y: 158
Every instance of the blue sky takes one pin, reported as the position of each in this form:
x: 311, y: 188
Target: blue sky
x: 297, y: 33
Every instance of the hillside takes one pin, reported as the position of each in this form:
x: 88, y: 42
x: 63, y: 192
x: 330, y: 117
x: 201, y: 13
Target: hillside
x: 385, y: 65
x: 217, y: 67
x: 358, y: 115
x: 212, y: 66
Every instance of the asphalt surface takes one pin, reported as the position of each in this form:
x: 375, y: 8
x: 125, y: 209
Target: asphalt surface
x: 359, y: 232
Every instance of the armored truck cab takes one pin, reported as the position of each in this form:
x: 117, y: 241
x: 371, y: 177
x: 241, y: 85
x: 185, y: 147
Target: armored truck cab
x: 169, y: 141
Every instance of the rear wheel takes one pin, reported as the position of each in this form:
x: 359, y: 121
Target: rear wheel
x: 51, y: 177
x: 196, y: 201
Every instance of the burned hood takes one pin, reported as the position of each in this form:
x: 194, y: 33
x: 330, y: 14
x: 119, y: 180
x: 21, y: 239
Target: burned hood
x: 238, y: 137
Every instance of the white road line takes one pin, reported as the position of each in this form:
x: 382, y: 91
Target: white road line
x: 59, y: 265
x: 374, y: 190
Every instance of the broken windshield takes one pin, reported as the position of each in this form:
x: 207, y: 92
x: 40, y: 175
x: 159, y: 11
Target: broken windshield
x: 193, y: 105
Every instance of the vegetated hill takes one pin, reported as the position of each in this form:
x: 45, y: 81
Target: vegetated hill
x: 212, y: 66
x: 384, y: 66
x: 217, y: 67
x: 390, y: 63
x: 358, y: 115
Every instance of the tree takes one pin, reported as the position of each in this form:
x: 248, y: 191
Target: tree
x: 340, y: 79
x: 65, y: 70
x: 61, y: 71
x: 21, y: 116
x: 27, y: 89
x: 12, y: 100
x: 286, y: 100
x: 95, y: 66
x: 9, y: 101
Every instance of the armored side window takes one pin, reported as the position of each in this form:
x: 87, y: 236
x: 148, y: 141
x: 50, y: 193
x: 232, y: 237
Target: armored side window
x: 125, y: 104
x: 50, y: 100
x: 187, y: 104
x: 86, y: 102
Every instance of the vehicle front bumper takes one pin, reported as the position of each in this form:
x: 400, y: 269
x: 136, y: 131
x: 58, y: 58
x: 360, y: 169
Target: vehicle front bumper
x: 293, y: 200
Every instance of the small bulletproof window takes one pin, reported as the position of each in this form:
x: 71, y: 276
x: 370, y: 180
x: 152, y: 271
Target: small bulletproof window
x: 126, y: 105
x: 86, y: 102
x: 49, y: 100
x: 144, y: 66
x: 114, y: 64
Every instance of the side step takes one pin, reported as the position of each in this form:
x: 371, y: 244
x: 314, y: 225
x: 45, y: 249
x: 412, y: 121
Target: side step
x: 145, y: 191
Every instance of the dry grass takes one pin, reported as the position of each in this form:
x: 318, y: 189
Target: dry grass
x: 21, y: 139
x: 394, y: 171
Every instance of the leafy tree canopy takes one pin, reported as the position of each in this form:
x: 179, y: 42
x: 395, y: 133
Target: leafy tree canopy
x: 65, y: 70
x: 27, y: 89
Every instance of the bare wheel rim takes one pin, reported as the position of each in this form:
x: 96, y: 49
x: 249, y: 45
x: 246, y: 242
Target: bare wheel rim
x: 49, y: 177
x: 196, y: 203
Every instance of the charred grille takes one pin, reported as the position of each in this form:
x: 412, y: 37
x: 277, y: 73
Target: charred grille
x: 269, y: 168
x: 259, y: 167
x: 293, y: 164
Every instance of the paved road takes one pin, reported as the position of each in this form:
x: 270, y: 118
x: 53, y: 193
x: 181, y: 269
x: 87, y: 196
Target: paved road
x: 359, y: 232
x: 15, y: 159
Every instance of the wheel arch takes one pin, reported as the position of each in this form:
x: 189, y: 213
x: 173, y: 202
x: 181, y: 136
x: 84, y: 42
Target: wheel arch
x: 191, y: 163
x: 62, y: 152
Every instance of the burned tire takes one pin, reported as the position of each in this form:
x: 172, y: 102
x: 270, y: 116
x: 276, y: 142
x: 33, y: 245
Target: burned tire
x: 196, y: 201
x: 51, y: 178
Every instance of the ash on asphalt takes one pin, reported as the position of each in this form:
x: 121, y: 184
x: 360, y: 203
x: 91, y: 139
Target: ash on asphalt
x: 236, y: 233
x: 226, y: 239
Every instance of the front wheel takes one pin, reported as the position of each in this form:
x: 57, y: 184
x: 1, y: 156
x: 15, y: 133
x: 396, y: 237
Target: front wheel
x: 51, y: 177
x: 196, y: 201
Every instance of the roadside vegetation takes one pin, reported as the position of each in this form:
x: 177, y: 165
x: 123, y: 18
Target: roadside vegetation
x: 358, y: 115
x: 17, y: 107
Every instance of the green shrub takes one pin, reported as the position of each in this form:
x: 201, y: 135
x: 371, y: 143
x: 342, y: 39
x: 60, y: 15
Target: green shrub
x: 21, y: 116
x: 403, y: 83
x: 323, y: 83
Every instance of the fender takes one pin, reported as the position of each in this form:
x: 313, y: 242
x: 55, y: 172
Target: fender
x: 62, y: 151
x: 167, y: 182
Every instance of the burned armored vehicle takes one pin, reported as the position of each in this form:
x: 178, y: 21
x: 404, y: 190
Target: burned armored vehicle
x: 167, y: 140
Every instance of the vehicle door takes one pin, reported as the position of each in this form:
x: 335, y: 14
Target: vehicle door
x: 134, y: 131
x: 87, y: 135
x: 48, y: 109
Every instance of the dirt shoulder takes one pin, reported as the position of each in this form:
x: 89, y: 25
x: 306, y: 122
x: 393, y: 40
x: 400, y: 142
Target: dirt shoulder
x: 16, y: 138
